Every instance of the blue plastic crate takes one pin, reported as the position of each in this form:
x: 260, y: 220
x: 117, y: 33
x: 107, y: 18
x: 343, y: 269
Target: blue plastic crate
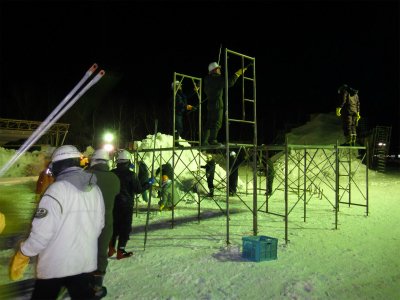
x: 260, y: 248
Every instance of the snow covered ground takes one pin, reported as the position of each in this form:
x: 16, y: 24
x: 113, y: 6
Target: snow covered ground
x: 192, y: 260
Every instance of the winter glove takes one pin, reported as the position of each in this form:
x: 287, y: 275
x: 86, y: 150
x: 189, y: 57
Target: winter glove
x: 2, y: 222
x: 152, y: 181
x: 338, y: 109
x: 18, y: 265
x: 189, y: 107
x: 358, y: 118
x: 240, y: 72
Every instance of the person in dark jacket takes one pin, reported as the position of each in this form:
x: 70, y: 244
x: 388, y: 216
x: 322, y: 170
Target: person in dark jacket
x: 181, y: 108
x: 210, y: 172
x: 124, y: 201
x: 349, y: 110
x: 166, y: 169
x: 166, y: 173
x: 144, y: 177
x: 109, y: 185
x: 214, y: 84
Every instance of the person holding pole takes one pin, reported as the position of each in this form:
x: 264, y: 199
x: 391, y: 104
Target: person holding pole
x: 64, y: 231
x: 214, y: 84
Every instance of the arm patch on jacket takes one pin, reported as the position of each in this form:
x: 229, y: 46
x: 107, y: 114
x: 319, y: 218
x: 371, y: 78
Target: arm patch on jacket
x: 41, y: 213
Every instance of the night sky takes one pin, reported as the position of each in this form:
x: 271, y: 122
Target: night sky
x: 303, y: 49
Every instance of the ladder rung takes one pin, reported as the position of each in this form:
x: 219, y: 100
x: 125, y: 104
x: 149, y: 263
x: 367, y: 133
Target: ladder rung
x: 241, y: 121
x: 248, y: 78
x: 249, y: 100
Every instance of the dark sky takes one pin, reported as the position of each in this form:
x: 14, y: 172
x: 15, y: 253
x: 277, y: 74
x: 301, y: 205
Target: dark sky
x: 304, y: 50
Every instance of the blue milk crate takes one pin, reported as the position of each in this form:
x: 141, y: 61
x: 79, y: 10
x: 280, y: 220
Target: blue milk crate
x: 259, y: 248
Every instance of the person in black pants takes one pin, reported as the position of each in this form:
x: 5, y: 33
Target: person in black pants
x: 123, y: 209
x: 144, y: 177
x: 210, y: 171
x: 181, y: 108
x: 109, y: 185
x: 349, y: 110
x: 214, y: 84
x: 234, y: 162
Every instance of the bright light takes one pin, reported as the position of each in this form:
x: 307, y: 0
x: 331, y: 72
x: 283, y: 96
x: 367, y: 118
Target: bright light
x: 108, y: 137
x: 108, y: 147
x: 381, y: 144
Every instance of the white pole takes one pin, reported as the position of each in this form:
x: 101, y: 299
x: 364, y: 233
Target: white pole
x: 54, y: 116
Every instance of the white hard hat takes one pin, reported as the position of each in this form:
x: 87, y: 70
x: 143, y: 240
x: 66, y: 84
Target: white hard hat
x: 100, y: 154
x: 123, y: 155
x: 233, y: 154
x: 177, y: 83
x: 213, y: 66
x: 65, y: 152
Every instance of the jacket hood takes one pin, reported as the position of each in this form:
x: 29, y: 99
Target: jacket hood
x: 78, y: 177
x: 99, y: 167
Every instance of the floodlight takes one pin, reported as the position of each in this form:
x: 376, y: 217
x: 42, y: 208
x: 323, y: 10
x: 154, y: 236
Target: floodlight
x: 108, y: 137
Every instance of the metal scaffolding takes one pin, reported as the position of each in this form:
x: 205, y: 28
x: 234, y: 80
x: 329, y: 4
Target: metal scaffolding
x: 300, y: 178
x: 297, y: 177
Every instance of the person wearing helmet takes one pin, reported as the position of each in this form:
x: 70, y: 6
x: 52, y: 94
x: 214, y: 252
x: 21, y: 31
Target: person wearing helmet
x: 181, y: 107
x: 167, y: 175
x: 109, y: 186
x: 124, y: 202
x: 349, y: 110
x: 166, y: 169
x: 165, y: 193
x: 66, y: 253
x: 214, y: 84
x: 210, y: 171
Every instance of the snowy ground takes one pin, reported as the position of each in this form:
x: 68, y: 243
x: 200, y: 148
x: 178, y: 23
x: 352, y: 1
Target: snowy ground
x: 192, y: 260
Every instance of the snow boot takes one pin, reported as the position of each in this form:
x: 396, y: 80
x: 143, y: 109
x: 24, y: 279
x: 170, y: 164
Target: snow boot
x: 99, y: 290
x: 121, y: 253
x: 111, y: 250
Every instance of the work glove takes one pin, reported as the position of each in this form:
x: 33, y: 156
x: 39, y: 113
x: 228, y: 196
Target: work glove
x: 240, y: 72
x: 2, y: 222
x: 189, y: 107
x: 152, y: 181
x: 18, y: 265
x: 338, y: 109
x: 358, y: 116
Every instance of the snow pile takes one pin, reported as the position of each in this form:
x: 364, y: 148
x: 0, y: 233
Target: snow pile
x: 322, y: 129
x: 29, y: 164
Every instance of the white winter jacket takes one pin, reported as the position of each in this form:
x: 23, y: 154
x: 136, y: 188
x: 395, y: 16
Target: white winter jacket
x: 67, y: 223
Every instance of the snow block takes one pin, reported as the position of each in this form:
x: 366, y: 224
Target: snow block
x: 260, y: 248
